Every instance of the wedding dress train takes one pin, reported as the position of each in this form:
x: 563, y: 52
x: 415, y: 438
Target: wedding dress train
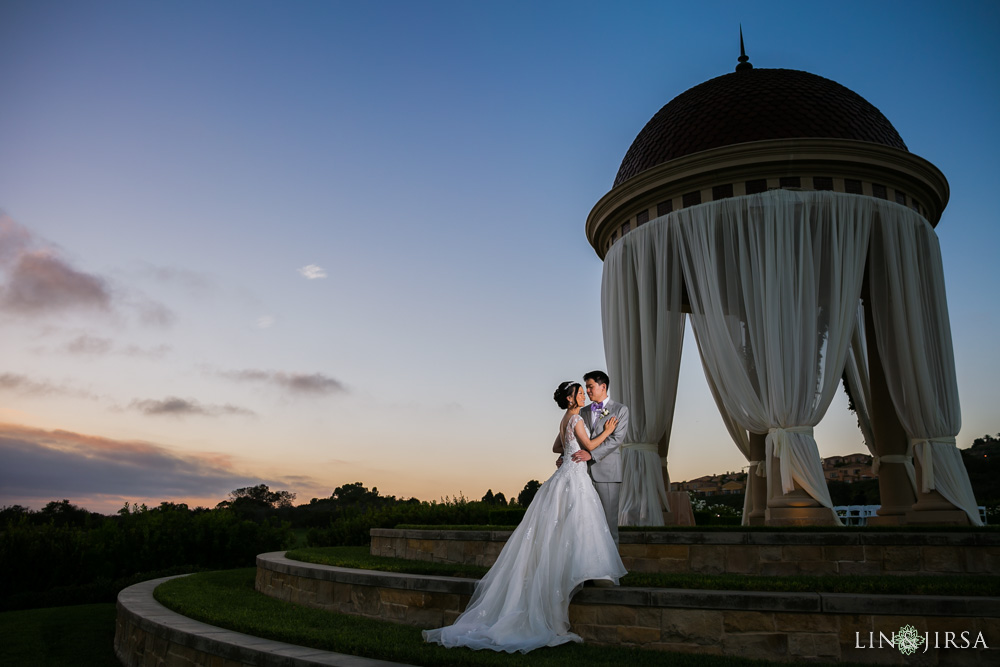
x: 523, y: 601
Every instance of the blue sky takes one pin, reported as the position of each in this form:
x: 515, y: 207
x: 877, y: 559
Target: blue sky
x: 171, y: 168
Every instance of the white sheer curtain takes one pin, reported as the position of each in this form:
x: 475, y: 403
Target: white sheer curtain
x: 774, y: 280
x: 859, y: 383
x: 755, y: 471
x: 643, y: 336
x: 914, y: 340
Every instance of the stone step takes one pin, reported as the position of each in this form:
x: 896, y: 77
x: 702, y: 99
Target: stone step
x: 764, y: 625
x: 766, y: 553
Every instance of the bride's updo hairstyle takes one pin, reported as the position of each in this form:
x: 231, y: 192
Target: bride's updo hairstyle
x: 565, y: 392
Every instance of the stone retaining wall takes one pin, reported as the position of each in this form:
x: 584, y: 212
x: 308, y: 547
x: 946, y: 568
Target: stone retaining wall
x: 796, y: 627
x: 736, y: 552
x: 150, y: 635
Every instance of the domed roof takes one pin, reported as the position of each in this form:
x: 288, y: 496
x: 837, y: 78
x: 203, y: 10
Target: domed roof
x: 753, y: 105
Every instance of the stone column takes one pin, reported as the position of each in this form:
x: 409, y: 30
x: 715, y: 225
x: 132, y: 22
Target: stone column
x: 680, y: 513
x: 933, y: 508
x: 758, y: 500
x: 894, y: 488
x: 795, y: 508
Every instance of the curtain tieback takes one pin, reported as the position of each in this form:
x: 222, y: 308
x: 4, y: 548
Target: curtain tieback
x: 642, y: 446
x: 807, y: 430
x: 778, y: 447
x: 924, y: 453
x: 877, y: 460
x: 761, y: 468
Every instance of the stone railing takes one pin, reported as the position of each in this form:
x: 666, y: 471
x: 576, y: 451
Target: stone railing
x: 736, y: 552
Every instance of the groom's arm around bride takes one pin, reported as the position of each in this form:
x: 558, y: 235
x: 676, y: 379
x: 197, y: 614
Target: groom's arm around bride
x: 604, y: 462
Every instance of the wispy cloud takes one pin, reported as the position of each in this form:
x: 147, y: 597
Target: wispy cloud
x: 22, y: 384
x: 86, y: 344
x: 153, y: 313
x: 14, y: 239
x: 312, y: 272
x: 39, y: 465
x: 94, y: 346
x: 297, y: 383
x: 157, y: 352
x: 183, y: 407
x: 194, y: 282
x: 41, y: 281
x: 265, y: 322
x: 16, y: 383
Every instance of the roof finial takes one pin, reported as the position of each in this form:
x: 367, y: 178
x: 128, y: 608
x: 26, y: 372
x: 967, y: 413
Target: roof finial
x: 744, y: 58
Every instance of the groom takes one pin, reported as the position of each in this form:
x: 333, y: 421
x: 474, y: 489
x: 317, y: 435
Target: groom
x: 604, y: 463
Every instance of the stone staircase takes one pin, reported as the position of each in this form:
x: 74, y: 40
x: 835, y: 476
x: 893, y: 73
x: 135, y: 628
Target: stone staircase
x: 791, y: 627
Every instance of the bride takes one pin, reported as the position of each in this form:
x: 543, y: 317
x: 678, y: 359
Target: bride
x: 563, y: 540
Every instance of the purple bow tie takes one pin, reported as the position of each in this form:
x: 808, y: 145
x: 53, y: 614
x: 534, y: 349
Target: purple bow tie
x: 597, y: 406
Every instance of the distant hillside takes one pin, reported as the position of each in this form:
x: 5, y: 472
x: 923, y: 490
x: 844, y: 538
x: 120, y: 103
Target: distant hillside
x: 851, y: 481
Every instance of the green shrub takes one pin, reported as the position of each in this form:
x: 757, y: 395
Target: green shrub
x: 90, y: 560
x: 351, y: 528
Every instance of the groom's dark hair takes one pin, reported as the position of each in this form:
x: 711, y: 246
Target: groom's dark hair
x: 600, y: 377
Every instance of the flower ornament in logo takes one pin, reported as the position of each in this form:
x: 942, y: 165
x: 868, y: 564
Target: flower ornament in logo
x: 908, y: 640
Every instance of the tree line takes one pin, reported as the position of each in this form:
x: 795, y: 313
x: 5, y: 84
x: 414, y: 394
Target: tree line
x: 64, y: 554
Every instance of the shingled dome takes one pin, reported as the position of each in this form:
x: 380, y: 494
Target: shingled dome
x: 755, y: 105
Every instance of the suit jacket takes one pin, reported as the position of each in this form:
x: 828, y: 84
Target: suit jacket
x: 606, y: 462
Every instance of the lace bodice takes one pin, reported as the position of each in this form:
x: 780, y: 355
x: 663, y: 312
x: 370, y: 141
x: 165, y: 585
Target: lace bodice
x: 570, y: 444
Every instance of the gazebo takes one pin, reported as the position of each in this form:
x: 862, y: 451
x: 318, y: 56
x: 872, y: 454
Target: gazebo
x: 783, y: 216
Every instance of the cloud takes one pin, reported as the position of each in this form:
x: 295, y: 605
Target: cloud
x: 41, y: 282
x: 93, y: 346
x: 21, y: 384
x: 264, y: 321
x: 296, y: 383
x: 153, y: 313
x: 312, y: 272
x: 157, y: 352
x: 14, y: 239
x: 89, y: 345
x: 181, y: 407
x: 191, y: 281
x: 37, y: 466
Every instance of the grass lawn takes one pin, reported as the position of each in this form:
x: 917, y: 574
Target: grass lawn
x: 78, y: 636
x: 228, y: 599
x: 963, y: 585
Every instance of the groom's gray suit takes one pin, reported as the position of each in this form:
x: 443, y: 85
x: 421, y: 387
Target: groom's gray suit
x: 605, y: 466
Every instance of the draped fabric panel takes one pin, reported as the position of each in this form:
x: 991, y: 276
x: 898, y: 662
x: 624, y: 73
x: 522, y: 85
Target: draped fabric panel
x: 643, y: 337
x: 774, y: 280
x: 914, y: 340
x: 859, y: 384
x: 858, y: 380
x: 741, y: 438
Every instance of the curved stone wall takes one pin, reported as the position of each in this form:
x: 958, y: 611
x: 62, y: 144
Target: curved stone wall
x: 736, y: 552
x: 150, y: 635
x: 771, y: 626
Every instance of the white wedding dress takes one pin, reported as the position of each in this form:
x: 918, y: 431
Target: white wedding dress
x: 523, y: 601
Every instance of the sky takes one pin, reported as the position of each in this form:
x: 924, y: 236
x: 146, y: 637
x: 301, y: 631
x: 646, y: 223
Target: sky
x: 312, y: 243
